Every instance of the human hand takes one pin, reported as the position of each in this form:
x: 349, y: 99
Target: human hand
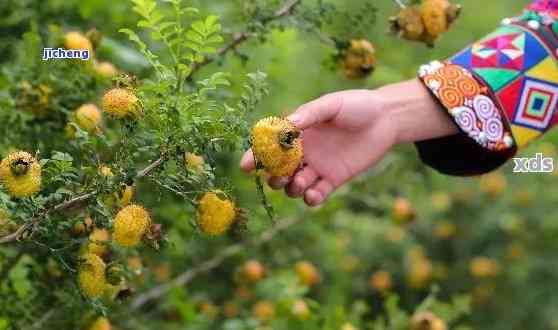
x: 345, y: 133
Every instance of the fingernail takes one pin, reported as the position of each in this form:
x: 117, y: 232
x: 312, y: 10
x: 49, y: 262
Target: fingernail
x: 295, y: 118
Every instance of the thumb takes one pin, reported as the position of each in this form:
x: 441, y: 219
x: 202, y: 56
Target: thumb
x: 318, y: 111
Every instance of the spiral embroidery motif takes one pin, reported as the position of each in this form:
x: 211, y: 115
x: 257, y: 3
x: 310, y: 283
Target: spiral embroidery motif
x: 494, y: 129
x: 451, y: 97
x: 466, y: 119
x: 451, y: 72
x: 467, y: 86
x: 484, y: 107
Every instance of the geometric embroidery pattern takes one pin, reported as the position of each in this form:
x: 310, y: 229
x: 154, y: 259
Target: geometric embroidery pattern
x: 537, y: 105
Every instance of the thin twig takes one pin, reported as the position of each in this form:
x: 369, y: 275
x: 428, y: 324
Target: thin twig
x: 400, y: 4
x: 238, y: 38
x: 187, y: 276
x: 16, y: 236
x: 43, y: 319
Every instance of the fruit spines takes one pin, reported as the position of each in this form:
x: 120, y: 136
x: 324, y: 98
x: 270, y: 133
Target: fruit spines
x: 20, y: 173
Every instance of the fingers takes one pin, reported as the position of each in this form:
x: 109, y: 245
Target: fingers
x: 318, y: 193
x: 301, y: 181
x: 248, y: 164
x: 318, y: 111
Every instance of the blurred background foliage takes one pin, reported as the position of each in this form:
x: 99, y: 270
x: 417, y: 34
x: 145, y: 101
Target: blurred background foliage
x: 394, y: 237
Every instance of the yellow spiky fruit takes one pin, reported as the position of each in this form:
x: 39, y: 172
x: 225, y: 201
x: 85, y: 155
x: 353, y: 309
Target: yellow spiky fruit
x: 121, y: 103
x: 194, y: 162
x: 277, y: 146
x: 101, y: 323
x: 300, y: 309
x: 92, y: 275
x: 98, y: 240
x: 381, y: 281
x: 408, y: 23
x: 215, y: 215
x: 264, y: 310
x: 126, y: 194
x: 20, y: 173
x: 427, y: 321
x: 89, y: 118
x: 483, y: 267
x: 106, y: 69
x: 359, y: 60
x: 307, y: 273
x: 434, y: 17
x: 130, y: 225
x: 77, y: 40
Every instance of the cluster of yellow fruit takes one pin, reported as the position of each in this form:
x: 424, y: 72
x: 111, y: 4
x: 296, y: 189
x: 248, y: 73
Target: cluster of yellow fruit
x: 358, y: 60
x: 277, y: 146
x: 131, y: 224
x: 89, y: 41
x: 425, y: 22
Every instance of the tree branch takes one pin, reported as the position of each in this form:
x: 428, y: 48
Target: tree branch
x: 16, y: 236
x: 218, y: 259
x: 238, y: 38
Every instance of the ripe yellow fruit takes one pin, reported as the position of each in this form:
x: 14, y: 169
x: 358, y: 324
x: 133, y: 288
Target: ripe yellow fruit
x: 403, y: 211
x: 277, y: 146
x: 77, y: 40
x: 348, y: 326
x: 105, y: 171
x: 106, y: 69
x: 420, y: 272
x: 252, y: 271
x: 445, y: 230
x: 121, y: 103
x: 483, y: 267
x: 193, y: 162
x: 33, y: 99
x: 230, y: 309
x: 381, y: 281
x: 98, y: 240
x: 215, y: 215
x: 427, y: 321
x: 102, y: 323
x: 493, y: 184
x: 434, y: 17
x: 408, y: 23
x: 89, y: 118
x: 20, y: 173
x: 264, y: 310
x: 92, y: 275
x: 300, y: 310
x: 307, y: 273
x: 130, y: 224
x: 359, y: 60
x: 125, y: 195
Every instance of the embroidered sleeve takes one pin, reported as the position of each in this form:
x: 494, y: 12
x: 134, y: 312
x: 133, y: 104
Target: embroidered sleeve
x: 502, y: 93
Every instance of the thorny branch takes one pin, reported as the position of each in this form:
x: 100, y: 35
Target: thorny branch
x: 285, y: 10
x: 29, y: 225
x: 187, y: 276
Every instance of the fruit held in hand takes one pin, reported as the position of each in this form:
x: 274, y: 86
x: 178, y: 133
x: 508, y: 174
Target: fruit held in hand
x: 20, y: 174
x: 215, y: 214
x: 130, y: 225
x: 92, y: 275
x: 359, y: 59
x: 277, y: 146
x: 121, y: 103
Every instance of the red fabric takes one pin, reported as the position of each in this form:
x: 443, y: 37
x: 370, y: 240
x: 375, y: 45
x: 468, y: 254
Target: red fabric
x: 549, y: 6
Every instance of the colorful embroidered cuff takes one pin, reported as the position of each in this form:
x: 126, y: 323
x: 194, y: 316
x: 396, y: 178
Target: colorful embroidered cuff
x: 502, y: 92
